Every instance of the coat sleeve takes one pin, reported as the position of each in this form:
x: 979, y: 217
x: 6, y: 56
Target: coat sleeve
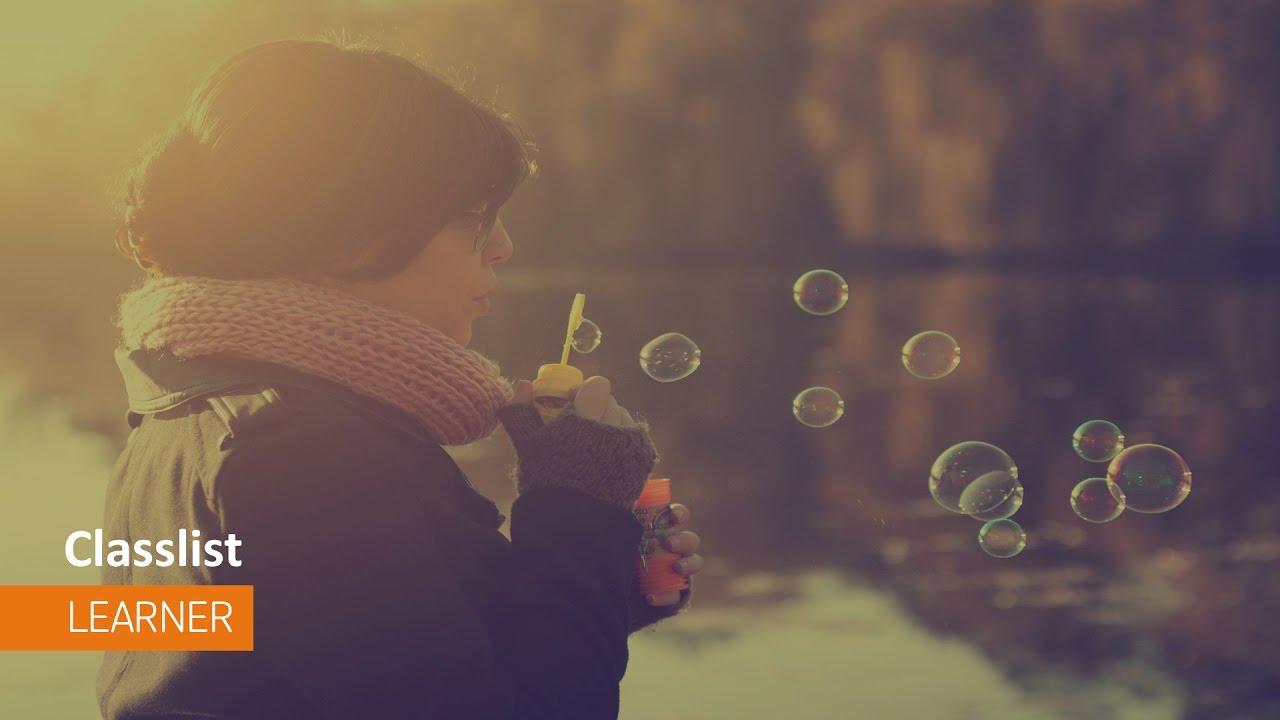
x: 356, y: 606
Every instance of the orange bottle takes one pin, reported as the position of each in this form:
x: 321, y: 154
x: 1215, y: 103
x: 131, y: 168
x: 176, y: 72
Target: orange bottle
x: 655, y: 568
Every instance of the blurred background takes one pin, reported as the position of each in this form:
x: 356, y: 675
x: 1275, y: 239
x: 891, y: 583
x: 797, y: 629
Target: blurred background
x: 1084, y: 193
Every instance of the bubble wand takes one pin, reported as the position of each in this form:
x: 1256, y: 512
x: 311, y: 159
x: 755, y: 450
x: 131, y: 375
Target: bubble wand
x: 551, y: 387
x: 575, y: 319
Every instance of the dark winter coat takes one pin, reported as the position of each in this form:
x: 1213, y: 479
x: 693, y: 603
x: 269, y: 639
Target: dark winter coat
x: 382, y: 586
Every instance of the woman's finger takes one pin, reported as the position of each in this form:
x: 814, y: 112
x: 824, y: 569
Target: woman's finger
x: 592, y: 398
x: 680, y: 515
x: 684, y: 542
x: 627, y: 420
x: 689, y: 564
x: 523, y: 392
x: 612, y: 415
x: 667, y: 598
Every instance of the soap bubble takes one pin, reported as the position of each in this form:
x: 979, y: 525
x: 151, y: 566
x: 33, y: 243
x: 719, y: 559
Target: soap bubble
x: 820, y: 292
x: 1011, y: 505
x: 960, y: 465
x: 994, y: 496
x: 1153, y: 478
x: 1097, y: 500
x: 930, y: 355
x: 1002, y: 538
x: 586, y: 337
x: 670, y: 357
x: 818, y: 406
x: 1098, y: 441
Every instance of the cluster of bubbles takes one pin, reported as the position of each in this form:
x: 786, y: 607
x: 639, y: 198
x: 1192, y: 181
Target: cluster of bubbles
x: 974, y: 478
x: 971, y: 478
x: 928, y: 355
x: 1146, y: 478
x: 666, y: 358
x: 980, y: 480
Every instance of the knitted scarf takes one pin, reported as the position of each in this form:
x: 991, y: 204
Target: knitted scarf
x: 386, y: 354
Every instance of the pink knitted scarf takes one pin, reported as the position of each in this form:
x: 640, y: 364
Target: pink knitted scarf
x: 453, y: 392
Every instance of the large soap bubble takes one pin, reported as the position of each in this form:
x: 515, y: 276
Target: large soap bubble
x: 1154, y: 478
x: 670, y: 357
x: 994, y: 496
x: 960, y: 465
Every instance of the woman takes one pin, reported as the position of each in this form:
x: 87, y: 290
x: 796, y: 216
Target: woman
x: 320, y: 231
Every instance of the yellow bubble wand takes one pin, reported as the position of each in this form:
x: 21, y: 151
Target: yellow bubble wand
x: 575, y: 319
x: 551, y: 387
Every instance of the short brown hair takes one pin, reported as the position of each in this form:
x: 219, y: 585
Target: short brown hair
x: 294, y: 156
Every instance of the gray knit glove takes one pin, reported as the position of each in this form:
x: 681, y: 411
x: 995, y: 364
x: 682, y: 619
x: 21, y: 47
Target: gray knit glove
x: 608, y: 462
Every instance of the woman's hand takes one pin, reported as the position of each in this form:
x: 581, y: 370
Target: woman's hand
x: 592, y: 399
x: 682, y: 542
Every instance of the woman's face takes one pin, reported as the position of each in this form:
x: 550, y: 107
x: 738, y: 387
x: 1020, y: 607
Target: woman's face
x: 444, y: 286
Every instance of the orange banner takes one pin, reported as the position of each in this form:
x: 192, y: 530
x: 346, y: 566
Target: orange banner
x: 126, y: 617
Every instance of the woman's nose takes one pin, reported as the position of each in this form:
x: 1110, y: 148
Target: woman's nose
x: 499, y: 248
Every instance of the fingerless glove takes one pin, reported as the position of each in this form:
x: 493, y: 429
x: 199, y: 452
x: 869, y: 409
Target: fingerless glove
x: 608, y: 462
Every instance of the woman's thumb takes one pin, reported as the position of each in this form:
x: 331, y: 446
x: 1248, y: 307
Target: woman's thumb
x: 523, y: 392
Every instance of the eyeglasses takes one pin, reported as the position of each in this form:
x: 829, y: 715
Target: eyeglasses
x: 484, y: 225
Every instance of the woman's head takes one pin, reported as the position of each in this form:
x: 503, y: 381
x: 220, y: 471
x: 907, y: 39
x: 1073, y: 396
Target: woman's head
x: 336, y: 163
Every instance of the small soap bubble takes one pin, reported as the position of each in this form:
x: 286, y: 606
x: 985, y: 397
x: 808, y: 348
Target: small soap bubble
x: 818, y: 406
x: 1097, y: 500
x: 820, y: 292
x: 993, y: 496
x: 930, y: 355
x: 1153, y: 478
x: 1002, y: 538
x: 670, y: 357
x: 587, y: 336
x: 960, y: 465
x: 1098, y: 441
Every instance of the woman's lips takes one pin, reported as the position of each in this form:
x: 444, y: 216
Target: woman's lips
x: 483, y: 302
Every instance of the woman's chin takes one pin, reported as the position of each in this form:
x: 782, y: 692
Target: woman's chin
x: 462, y: 336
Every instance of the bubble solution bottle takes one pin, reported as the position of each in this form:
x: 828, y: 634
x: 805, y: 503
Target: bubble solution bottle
x: 655, y: 568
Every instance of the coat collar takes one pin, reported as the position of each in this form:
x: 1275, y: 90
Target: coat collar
x: 156, y: 380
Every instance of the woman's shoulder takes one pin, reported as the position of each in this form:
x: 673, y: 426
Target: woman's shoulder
x: 290, y: 418
x: 297, y: 440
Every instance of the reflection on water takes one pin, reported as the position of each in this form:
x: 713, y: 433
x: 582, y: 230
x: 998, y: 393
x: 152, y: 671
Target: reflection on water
x: 53, y: 480
x: 832, y: 649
